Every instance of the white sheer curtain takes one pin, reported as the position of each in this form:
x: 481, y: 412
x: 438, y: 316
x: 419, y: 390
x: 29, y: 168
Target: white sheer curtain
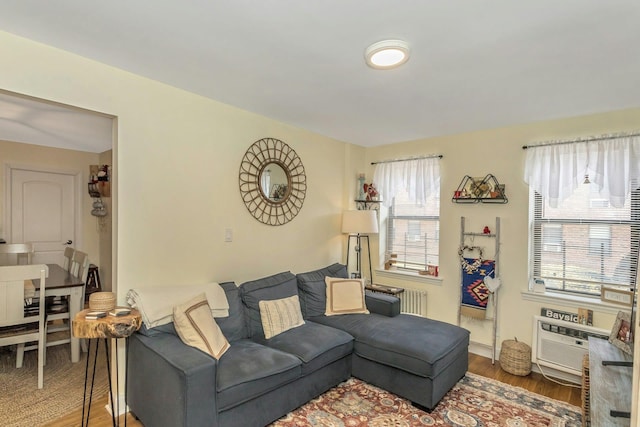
x: 555, y: 170
x: 419, y: 177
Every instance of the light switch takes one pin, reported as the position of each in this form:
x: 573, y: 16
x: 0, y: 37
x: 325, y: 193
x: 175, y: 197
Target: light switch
x: 228, y: 235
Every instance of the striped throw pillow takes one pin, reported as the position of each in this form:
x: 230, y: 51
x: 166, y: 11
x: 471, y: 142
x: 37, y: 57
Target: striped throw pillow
x: 280, y: 315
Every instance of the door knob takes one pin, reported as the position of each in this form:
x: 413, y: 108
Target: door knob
x: 69, y: 242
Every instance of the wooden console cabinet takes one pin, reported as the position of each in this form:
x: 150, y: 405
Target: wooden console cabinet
x: 610, y: 385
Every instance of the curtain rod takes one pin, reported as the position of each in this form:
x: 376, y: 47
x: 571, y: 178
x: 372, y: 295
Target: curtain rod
x: 439, y: 156
x: 588, y: 139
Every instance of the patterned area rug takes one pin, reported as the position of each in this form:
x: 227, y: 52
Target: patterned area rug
x: 474, y: 402
x: 22, y: 404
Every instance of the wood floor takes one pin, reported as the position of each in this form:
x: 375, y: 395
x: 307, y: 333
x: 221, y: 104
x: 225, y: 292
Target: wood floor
x: 477, y: 364
x: 533, y: 382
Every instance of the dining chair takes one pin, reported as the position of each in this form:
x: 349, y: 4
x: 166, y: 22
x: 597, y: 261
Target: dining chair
x: 68, y: 258
x: 58, y: 312
x: 22, y: 251
x: 17, y: 327
x: 58, y: 308
x: 80, y: 265
x: 59, y: 303
x: 80, y: 268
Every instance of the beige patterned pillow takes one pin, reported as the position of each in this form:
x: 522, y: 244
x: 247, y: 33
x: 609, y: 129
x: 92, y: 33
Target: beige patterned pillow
x: 195, y: 326
x: 345, y: 296
x: 280, y: 315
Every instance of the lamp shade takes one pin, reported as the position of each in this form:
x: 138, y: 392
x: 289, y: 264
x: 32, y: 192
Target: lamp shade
x: 360, y: 222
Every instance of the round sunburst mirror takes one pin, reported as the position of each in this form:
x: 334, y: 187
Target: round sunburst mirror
x: 273, y: 183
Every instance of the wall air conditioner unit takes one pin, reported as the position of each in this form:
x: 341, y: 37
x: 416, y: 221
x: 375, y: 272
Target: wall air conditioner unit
x: 561, y: 345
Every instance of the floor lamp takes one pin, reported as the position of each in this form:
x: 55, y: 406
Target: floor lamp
x: 359, y: 224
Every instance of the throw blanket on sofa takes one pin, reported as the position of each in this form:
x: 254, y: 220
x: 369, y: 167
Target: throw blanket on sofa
x: 156, y: 304
x: 475, y: 294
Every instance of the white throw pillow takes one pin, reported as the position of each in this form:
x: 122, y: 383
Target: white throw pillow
x: 195, y: 326
x: 280, y: 315
x: 345, y: 296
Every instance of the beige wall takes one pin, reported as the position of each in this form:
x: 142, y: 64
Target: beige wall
x: 54, y: 159
x: 176, y: 164
x: 496, y: 151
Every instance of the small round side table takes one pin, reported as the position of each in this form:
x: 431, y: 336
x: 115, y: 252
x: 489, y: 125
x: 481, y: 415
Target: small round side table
x: 105, y: 328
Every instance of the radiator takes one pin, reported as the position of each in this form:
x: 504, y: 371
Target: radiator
x: 561, y: 345
x: 413, y: 302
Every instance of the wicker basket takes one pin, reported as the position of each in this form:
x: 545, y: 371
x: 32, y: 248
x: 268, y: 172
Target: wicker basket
x: 515, y: 357
x: 102, y: 301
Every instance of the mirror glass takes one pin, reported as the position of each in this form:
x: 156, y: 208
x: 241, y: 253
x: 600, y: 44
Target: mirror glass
x: 274, y: 182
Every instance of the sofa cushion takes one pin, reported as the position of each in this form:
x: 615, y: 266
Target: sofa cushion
x: 277, y: 286
x: 313, y: 289
x: 249, y: 369
x: 418, y: 345
x: 233, y: 326
x: 280, y: 315
x: 345, y: 296
x: 380, y: 303
x: 195, y: 326
x: 314, y: 344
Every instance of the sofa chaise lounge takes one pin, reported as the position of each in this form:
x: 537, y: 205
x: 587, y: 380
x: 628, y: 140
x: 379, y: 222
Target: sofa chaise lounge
x: 258, y: 380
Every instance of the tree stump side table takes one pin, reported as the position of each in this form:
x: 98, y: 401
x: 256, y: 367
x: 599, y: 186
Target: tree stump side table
x: 105, y: 328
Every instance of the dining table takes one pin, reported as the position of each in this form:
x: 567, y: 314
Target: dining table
x: 60, y: 282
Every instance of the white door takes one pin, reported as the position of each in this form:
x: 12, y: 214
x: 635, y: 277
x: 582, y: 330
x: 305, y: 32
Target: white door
x: 43, y: 207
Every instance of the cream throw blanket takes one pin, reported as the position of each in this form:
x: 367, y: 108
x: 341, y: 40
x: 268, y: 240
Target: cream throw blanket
x: 156, y: 304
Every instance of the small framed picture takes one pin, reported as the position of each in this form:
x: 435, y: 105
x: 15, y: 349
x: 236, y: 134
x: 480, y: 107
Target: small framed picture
x: 616, y: 296
x: 621, y: 333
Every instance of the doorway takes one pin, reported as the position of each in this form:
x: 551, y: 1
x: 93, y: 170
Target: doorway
x: 29, y: 127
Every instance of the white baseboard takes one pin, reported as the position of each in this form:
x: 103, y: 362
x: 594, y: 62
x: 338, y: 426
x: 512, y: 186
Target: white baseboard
x: 485, y: 351
x: 480, y: 349
x: 558, y: 375
x: 118, y: 405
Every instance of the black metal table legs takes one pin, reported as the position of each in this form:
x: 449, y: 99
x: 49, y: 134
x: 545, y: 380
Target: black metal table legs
x: 115, y: 411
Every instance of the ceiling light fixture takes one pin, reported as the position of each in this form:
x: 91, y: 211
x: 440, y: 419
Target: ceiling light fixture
x: 387, y: 54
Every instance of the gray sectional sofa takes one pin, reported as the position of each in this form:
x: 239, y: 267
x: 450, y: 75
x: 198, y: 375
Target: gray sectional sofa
x: 259, y: 380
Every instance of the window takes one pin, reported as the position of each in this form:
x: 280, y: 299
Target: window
x: 585, y: 243
x: 600, y: 240
x: 410, y: 189
x: 552, y: 238
x: 413, y: 231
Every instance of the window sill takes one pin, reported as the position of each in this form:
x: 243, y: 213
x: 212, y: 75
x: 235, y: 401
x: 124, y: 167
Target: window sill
x: 557, y: 298
x: 408, y: 276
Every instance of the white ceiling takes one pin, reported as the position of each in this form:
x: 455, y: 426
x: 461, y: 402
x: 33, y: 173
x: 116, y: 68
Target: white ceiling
x: 34, y: 121
x: 474, y: 64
